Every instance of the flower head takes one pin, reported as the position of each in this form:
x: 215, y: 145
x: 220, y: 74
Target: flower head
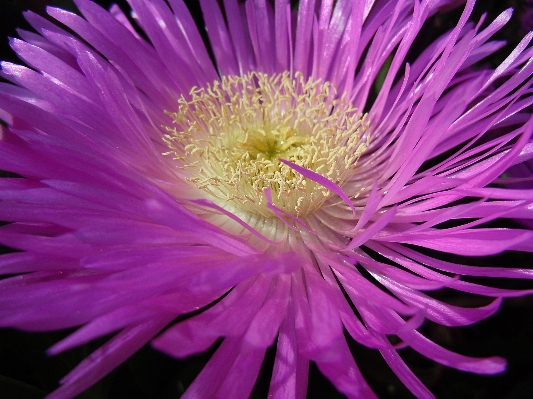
x: 294, y: 180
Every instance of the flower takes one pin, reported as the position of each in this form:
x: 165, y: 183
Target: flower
x: 257, y: 188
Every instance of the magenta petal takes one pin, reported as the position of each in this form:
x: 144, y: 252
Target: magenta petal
x: 342, y: 371
x: 479, y: 242
x: 403, y: 372
x: 266, y: 323
x: 107, y: 357
x: 418, y: 342
x: 230, y: 373
x: 225, y: 318
x: 289, y: 377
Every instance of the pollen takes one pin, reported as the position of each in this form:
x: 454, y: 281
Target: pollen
x: 229, y: 137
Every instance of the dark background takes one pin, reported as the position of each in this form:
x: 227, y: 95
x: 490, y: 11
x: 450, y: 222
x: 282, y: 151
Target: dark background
x: 27, y: 373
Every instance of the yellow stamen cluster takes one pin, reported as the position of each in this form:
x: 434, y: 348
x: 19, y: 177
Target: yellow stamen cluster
x: 229, y: 137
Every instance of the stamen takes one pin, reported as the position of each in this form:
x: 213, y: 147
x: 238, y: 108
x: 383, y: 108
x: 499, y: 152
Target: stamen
x: 229, y: 137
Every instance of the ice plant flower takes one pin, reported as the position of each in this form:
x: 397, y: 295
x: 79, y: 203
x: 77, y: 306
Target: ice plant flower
x: 260, y: 187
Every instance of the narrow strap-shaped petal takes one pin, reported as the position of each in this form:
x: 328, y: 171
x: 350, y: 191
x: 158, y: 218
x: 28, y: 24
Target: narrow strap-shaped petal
x: 107, y: 357
x: 290, y: 374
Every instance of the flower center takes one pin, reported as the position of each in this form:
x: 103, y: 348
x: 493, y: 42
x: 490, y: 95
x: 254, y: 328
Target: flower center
x: 229, y: 137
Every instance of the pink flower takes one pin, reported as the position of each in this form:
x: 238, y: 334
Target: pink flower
x: 264, y: 181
